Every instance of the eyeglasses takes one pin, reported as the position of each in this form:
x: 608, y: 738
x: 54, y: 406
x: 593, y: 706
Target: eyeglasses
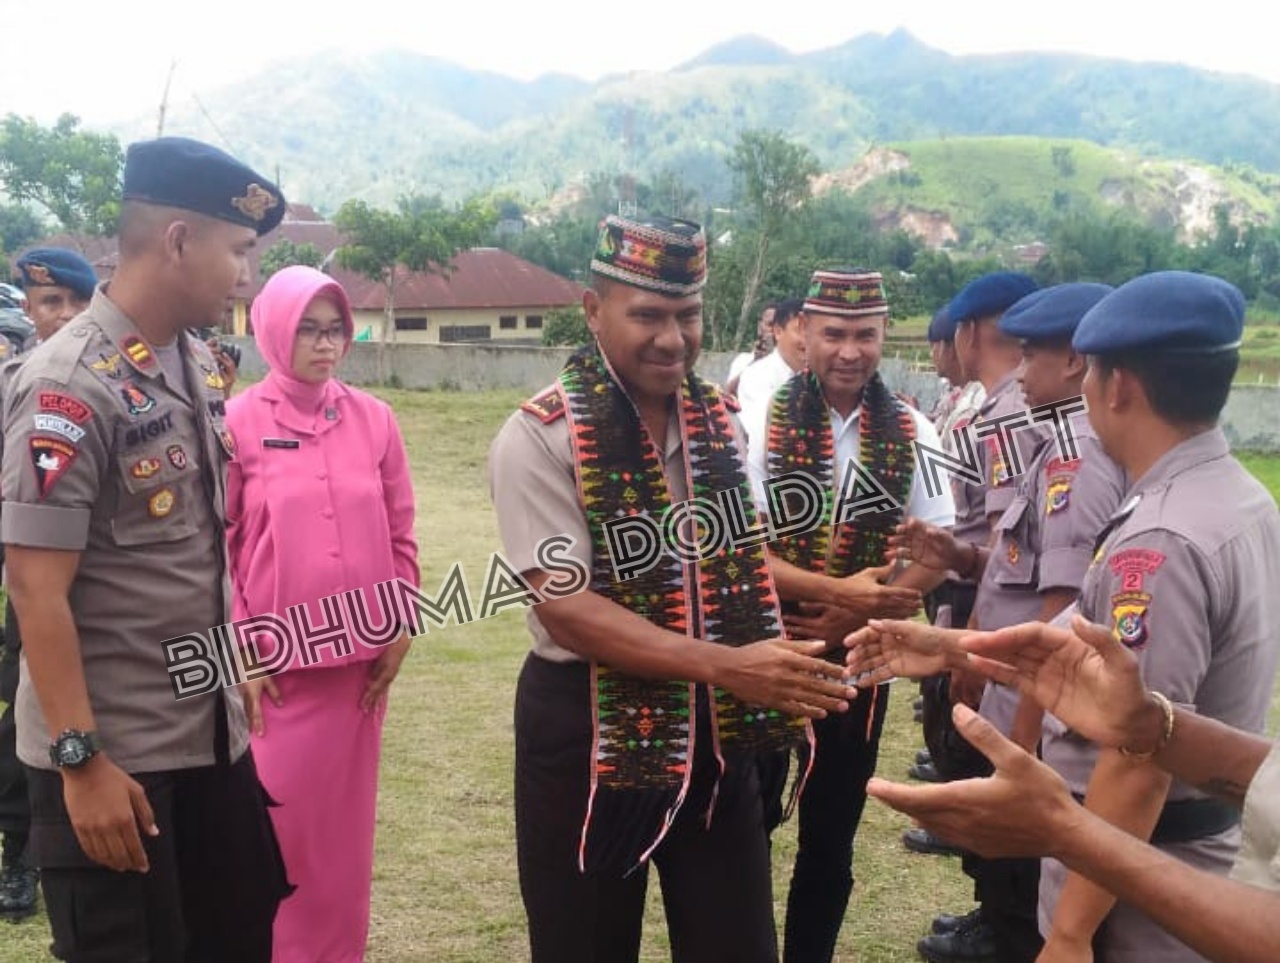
x: 336, y: 335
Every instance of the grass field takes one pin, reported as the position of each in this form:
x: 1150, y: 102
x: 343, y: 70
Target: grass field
x: 445, y: 887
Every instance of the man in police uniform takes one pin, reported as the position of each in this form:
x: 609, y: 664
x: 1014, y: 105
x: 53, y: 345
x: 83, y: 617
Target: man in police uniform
x: 58, y: 284
x: 614, y: 764
x: 1184, y: 576
x: 1043, y: 543
x: 113, y: 476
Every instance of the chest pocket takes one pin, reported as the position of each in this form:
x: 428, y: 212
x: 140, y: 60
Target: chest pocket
x: 1013, y: 561
x: 160, y: 496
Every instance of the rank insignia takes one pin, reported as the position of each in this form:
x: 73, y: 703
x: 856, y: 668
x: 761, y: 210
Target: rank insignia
x: 51, y: 458
x: 546, y: 407
x: 161, y: 503
x: 177, y: 456
x: 1057, y: 496
x: 137, y: 351
x: 108, y: 367
x: 145, y: 467
x: 136, y: 400
x: 1129, y: 618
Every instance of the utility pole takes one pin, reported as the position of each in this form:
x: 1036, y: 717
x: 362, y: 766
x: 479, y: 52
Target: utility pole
x: 164, y: 100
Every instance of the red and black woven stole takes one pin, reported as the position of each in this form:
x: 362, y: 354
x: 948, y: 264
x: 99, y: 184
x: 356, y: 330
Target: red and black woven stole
x: 800, y: 440
x: 644, y: 730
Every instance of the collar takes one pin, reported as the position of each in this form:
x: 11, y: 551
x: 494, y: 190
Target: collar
x: 1196, y: 450
x: 287, y: 414
x: 1002, y: 387
x: 123, y: 334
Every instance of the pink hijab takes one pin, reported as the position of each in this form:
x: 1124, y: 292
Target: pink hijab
x: 276, y: 313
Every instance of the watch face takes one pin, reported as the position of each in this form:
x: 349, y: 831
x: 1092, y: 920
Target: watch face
x: 72, y: 752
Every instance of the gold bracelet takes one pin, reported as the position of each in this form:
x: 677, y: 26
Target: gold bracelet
x: 1166, y: 707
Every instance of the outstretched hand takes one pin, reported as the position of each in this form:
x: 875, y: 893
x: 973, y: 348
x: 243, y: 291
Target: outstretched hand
x: 1023, y: 809
x: 887, y: 650
x: 1084, y: 676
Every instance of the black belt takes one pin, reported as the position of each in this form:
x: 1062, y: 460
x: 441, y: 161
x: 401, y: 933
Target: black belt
x: 1185, y: 820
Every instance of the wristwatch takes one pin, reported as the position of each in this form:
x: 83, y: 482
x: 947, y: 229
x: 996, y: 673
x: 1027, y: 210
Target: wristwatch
x: 73, y: 748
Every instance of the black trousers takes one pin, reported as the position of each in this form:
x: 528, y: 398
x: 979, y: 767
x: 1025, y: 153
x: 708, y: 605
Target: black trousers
x: 716, y: 884
x: 848, y: 745
x: 210, y: 896
x: 1008, y: 891
x: 15, y: 811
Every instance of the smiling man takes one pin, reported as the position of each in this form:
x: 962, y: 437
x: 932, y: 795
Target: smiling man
x: 644, y: 704
x: 831, y: 420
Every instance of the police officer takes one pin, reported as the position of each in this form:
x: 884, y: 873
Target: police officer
x: 615, y: 766
x: 58, y: 284
x: 1185, y: 576
x: 114, y: 466
x: 1043, y: 544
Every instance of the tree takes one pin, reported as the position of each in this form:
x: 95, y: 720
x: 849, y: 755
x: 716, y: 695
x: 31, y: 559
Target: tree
x: 773, y: 177
x: 18, y: 228
x: 566, y: 326
x: 421, y: 234
x: 284, y: 253
x: 72, y: 174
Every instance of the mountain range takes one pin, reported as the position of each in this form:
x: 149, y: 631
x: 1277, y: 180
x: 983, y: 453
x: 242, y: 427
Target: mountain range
x: 335, y: 126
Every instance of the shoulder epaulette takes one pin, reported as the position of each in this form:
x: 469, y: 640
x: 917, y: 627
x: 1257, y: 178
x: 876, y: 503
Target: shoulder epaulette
x: 546, y: 407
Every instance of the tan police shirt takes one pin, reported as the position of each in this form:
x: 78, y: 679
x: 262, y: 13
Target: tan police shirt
x: 535, y: 493
x: 1259, y: 861
x: 1186, y: 579
x: 1045, y: 539
x: 105, y: 456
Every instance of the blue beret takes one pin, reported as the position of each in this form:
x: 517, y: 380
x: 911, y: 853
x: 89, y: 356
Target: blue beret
x: 1167, y: 311
x: 990, y: 295
x: 56, y: 267
x: 1052, y: 314
x: 941, y: 328
x: 184, y: 173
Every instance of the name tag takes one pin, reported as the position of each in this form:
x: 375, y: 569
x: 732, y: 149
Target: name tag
x: 279, y: 443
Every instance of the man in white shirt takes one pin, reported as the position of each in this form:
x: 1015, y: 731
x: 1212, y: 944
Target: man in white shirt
x: 836, y: 423
x: 763, y: 345
x: 764, y: 377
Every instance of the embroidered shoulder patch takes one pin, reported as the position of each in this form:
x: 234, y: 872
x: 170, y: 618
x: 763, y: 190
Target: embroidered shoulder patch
x: 1129, y: 618
x: 1060, y: 475
x: 1132, y: 565
x: 546, y: 407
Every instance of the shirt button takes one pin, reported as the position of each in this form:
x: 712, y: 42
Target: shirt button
x: 327, y: 513
x: 334, y: 552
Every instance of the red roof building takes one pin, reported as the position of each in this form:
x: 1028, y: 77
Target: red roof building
x: 489, y: 293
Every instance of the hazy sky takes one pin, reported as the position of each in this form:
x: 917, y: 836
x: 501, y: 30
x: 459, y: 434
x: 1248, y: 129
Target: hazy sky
x: 108, y: 61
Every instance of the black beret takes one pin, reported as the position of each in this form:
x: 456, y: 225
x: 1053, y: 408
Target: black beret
x: 184, y: 173
x: 56, y: 267
x: 990, y: 295
x: 940, y: 327
x: 1052, y: 314
x: 1165, y: 311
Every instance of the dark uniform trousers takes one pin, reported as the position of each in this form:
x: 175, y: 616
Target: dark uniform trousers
x: 847, y: 747
x: 716, y: 884
x: 211, y: 894
x: 15, y: 812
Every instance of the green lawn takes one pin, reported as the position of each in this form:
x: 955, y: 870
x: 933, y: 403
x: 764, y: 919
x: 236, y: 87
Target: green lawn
x: 445, y: 886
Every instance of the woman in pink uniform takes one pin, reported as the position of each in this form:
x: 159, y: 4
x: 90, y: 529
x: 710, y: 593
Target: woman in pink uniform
x: 319, y: 503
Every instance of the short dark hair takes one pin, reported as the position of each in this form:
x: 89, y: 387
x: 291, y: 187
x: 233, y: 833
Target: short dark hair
x: 1182, y: 388
x: 785, y: 310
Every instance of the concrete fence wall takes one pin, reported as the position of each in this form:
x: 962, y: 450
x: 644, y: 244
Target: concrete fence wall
x: 1251, y: 419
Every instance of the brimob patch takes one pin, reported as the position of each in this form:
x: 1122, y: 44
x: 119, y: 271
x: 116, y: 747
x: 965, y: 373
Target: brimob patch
x: 50, y: 457
x: 1129, y: 618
